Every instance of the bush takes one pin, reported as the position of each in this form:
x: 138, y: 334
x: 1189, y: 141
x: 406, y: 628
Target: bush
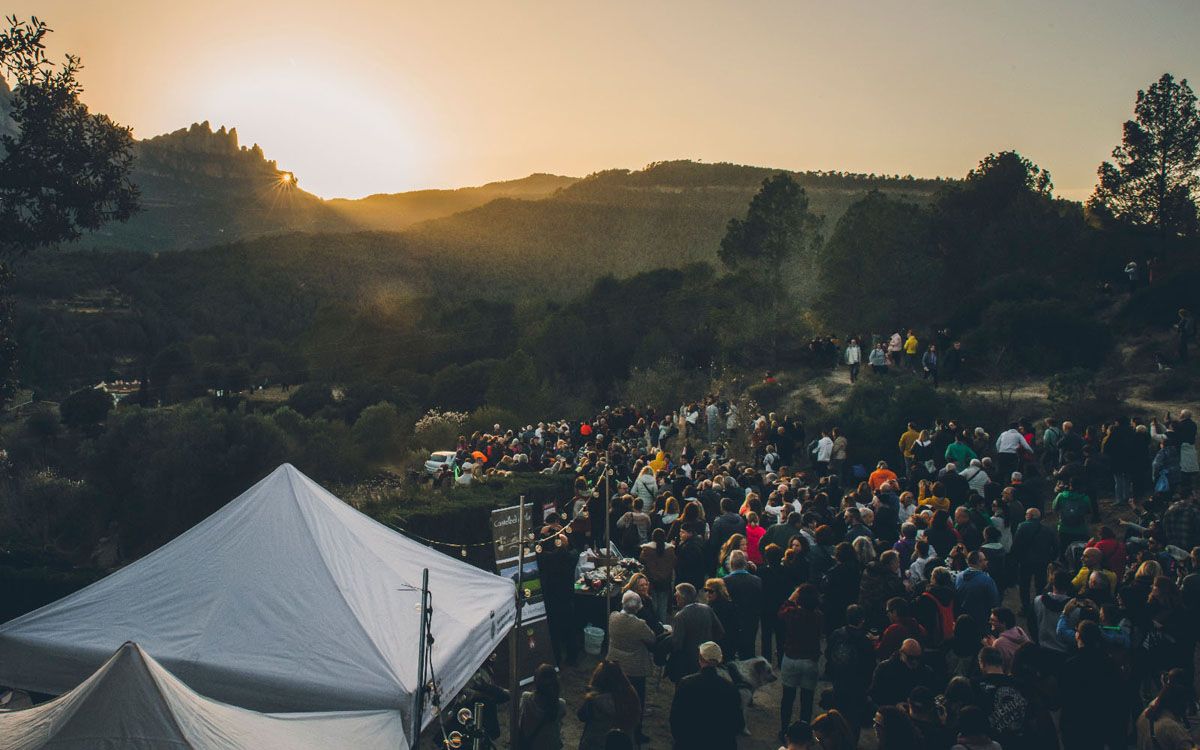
x: 86, y: 408
x: 485, y: 418
x: 768, y: 396
x: 379, y: 432
x: 438, y: 430
x: 1177, y: 383
x: 1040, y: 336
x: 665, y: 384
x: 311, y: 398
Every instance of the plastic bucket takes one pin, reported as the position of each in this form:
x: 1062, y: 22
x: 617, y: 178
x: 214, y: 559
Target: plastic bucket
x: 593, y: 639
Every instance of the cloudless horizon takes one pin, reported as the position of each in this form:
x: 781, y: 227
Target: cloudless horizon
x: 369, y: 96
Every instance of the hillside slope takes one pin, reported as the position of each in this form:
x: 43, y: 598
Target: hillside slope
x: 397, y: 211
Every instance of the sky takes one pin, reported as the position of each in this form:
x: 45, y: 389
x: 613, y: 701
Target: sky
x: 374, y: 96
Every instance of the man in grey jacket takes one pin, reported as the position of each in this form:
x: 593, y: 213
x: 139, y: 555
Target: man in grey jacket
x: 693, y: 624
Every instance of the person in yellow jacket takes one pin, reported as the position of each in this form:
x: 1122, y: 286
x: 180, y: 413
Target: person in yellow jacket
x: 907, y: 440
x: 910, y: 350
x: 932, y: 495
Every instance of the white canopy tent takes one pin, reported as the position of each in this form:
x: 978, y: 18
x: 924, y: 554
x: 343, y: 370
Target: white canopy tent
x: 132, y: 703
x: 286, y: 599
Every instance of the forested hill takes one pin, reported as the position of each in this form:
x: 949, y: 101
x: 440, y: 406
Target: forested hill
x: 397, y: 211
x: 619, y: 222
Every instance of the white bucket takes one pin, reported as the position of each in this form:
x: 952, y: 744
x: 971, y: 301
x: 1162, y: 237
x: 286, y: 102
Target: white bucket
x: 593, y: 639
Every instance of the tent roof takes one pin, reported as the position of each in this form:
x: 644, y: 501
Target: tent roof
x: 285, y: 599
x: 132, y: 702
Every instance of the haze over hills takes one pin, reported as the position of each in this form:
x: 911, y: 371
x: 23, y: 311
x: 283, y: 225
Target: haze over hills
x: 397, y: 211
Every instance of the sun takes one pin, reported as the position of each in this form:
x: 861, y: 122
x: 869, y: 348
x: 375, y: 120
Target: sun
x: 287, y: 179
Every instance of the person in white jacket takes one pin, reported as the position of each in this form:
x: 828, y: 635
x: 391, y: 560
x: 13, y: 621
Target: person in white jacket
x: 853, y: 358
x: 646, y: 486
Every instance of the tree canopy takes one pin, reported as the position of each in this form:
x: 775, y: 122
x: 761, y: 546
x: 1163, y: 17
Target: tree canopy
x: 1154, y: 178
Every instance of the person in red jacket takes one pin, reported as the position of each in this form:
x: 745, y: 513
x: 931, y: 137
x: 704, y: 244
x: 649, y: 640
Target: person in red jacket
x: 1112, y: 550
x: 903, y: 626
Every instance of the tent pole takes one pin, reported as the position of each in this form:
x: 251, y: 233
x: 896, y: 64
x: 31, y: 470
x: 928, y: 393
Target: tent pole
x: 422, y: 645
x: 514, y: 673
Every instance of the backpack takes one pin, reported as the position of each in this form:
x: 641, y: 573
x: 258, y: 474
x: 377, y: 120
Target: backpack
x: 1073, y: 512
x: 944, y: 627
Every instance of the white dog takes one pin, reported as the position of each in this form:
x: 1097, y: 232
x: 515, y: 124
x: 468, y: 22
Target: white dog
x: 748, y: 675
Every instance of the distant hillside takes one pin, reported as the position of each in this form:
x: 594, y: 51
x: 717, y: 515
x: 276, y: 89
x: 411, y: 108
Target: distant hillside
x: 396, y: 211
x: 201, y: 187
x: 620, y: 222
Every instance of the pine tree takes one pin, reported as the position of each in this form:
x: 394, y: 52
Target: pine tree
x: 1154, y: 178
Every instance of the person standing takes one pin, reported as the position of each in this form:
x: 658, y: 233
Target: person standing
x: 877, y: 359
x: 802, y: 624
x: 706, y: 710
x: 853, y: 359
x: 1034, y: 546
x: 1120, y: 449
x: 541, y: 712
x: 952, y: 363
x: 630, y: 641
x: 692, y: 625
x: 929, y: 364
x: 823, y: 453
x: 1073, y: 508
x: 1185, y: 331
x: 1008, y: 445
x: 910, y: 351
x: 609, y: 703
x: 1091, y: 687
x: 746, y: 593
x: 850, y: 663
x: 895, y: 349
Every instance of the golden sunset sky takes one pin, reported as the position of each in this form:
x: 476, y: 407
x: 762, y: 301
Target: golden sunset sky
x: 368, y: 96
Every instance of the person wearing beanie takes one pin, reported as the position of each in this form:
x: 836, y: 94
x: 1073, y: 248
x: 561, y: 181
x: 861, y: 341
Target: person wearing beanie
x: 707, y: 709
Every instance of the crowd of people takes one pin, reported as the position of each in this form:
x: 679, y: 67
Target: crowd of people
x: 966, y: 592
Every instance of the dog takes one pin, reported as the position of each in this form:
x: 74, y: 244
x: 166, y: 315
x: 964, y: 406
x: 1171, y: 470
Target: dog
x: 748, y: 675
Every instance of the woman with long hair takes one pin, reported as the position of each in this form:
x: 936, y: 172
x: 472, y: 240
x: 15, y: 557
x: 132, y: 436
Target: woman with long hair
x: 658, y: 557
x: 716, y: 595
x: 640, y: 584
x: 542, y: 711
x: 609, y: 703
x: 735, y: 541
x: 833, y: 732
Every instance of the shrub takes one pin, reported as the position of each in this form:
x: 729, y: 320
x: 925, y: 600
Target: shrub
x: 86, y: 408
x: 310, y: 398
x: 438, y: 430
x: 379, y: 432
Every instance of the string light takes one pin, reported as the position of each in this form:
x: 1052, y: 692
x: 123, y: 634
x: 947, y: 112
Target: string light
x: 462, y: 548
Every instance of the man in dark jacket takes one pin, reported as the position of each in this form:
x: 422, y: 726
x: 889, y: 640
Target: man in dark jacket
x: 849, y: 662
x: 1091, y: 689
x: 692, y: 625
x: 707, y: 709
x: 896, y: 676
x: 953, y: 484
x: 746, y: 591
x: 1034, y: 545
x: 691, y: 559
x: 726, y: 525
x: 782, y: 533
x: 1003, y: 699
x: 556, y: 566
x: 977, y: 593
x: 1121, y: 451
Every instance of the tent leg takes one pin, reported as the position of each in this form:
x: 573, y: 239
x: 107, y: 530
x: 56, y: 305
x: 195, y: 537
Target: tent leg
x: 422, y: 646
x: 514, y: 672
